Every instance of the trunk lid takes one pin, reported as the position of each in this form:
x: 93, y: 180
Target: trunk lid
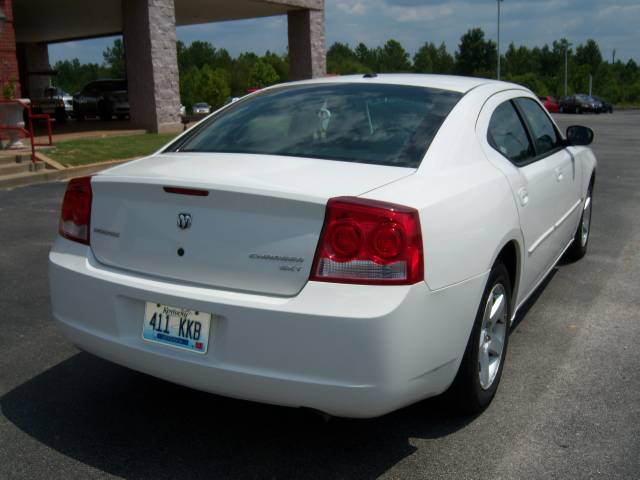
x: 256, y: 230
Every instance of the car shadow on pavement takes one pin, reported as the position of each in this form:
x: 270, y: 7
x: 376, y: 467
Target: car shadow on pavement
x: 135, y: 426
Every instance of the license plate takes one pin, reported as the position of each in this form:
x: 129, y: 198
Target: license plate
x: 177, y: 327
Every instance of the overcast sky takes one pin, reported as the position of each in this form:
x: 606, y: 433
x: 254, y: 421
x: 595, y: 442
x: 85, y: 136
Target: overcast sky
x: 612, y: 23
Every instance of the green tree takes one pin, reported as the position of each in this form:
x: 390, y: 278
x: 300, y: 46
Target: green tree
x: 432, y: 59
x: 279, y: 64
x: 424, y: 59
x: 203, y: 85
x: 476, y: 56
x: 73, y: 75
x: 262, y: 74
x: 114, y: 59
x: 531, y: 81
x: 520, y: 60
x: 239, y: 74
x: 366, y: 57
x: 444, y: 62
x: 343, y: 61
x: 589, y: 54
x: 392, y: 57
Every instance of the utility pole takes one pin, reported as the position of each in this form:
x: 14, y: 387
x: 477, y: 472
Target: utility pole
x: 613, y: 57
x: 499, y: 2
x: 566, y: 64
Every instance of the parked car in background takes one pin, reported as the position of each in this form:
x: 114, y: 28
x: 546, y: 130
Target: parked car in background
x: 606, y: 106
x: 55, y: 102
x: 102, y: 98
x: 550, y: 103
x: 201, y: 109
x: 579, y: 103
x: 351, y: 244
x: 231, y: 100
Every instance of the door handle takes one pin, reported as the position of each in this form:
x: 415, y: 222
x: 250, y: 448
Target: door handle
x: 559, y: 174
x: 523, y: 195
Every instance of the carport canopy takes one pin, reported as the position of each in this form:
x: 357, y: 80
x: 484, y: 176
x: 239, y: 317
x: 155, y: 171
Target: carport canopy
x: 149, y: 31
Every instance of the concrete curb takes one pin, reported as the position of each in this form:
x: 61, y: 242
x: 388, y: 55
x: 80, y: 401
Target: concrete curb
x: 49, y: 161
x: 58, y: 175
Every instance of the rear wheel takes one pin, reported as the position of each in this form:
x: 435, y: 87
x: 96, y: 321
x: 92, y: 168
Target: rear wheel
x: 578, y: 248
x: 479, y: 374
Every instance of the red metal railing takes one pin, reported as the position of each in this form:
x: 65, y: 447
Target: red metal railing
x: 27, y: 130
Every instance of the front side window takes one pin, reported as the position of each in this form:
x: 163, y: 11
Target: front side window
x: 363, y: 123
x: 545, y: 136
x: 508, y: 136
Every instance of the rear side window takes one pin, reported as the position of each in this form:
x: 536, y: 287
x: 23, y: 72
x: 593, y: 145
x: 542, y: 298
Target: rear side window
x: 545, y: 136
x: 508, y: 135
x: 363, y: 123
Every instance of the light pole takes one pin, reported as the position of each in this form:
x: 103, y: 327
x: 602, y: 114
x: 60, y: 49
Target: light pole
x: 499, y: 2
x: 566, y: 63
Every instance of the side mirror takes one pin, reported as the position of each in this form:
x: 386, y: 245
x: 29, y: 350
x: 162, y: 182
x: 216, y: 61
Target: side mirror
x: 579, y: 135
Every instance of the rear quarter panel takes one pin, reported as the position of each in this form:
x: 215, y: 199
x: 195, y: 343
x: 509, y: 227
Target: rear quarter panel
x: 467, y: 210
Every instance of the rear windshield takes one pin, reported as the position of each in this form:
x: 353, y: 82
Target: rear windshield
x: 379, y: 124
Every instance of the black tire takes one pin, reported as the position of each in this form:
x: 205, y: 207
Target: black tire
x: 578, y: 248
x: 466, y: 391
x: 561, y: 109
x: 79, y: 115
x: 121, y: 116
x: 579, y: 111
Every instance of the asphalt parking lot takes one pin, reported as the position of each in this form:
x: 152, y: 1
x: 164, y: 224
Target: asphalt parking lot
x: 568, y: 405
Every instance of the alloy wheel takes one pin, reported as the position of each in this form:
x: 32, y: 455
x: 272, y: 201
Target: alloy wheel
x: 492, y: 335
x: 586, y: 220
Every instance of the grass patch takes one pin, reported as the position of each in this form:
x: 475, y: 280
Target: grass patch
x: 92, y: 150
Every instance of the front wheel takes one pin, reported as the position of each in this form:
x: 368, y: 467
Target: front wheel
x: 578, y: 248
x: 480, y: 371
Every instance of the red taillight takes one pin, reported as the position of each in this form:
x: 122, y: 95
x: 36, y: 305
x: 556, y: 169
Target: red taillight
x: 369, y: 242
x: 76, y: 210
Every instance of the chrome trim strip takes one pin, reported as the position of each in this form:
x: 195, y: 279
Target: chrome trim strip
x: 544, y: 236
x: 568, y: 214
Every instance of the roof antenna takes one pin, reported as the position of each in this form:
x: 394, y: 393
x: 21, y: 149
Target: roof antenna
x: 370, y: 75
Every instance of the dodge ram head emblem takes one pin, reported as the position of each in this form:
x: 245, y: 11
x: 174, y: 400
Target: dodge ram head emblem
x: 184, y: 221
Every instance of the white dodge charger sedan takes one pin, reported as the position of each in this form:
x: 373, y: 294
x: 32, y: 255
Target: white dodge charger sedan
x: 350, y: 244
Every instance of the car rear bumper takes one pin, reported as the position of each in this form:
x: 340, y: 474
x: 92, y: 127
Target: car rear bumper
x: 347, y: 350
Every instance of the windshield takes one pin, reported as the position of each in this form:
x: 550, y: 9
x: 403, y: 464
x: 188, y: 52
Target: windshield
x: 380, y: 124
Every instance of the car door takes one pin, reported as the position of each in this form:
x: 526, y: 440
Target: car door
x: 565, y: 169
x: 507, y: 144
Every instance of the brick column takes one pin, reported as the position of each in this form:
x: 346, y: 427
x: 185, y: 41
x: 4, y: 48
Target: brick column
x: 307, y: 58
x: 152, y: 63
x: 8, y: 59
x: 36, y: 59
